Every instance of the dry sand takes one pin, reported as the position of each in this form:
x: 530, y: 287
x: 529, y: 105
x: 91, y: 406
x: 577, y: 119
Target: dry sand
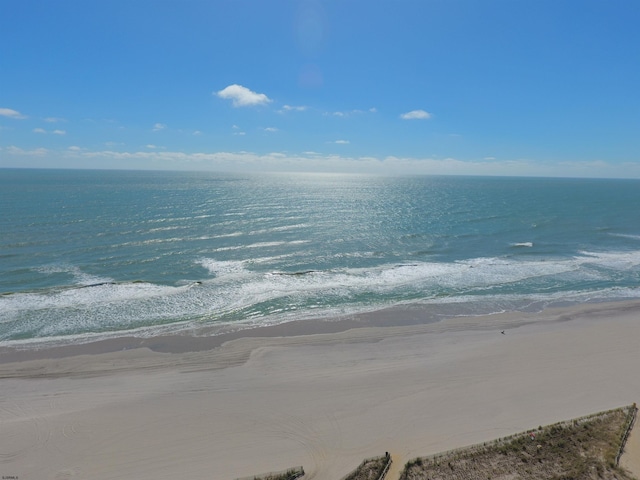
x: 324, y: 401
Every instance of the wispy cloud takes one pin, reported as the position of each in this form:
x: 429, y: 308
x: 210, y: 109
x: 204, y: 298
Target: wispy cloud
x: 341, y: 142
x: 242, y: 96
x: 197, y: 133
x: 54, y: 119
x: 293, y: 108
x: 416, y: 115
x: 54, y: 132
x: 159, y: 126
x: 237, y: 131
x: 270, y: 129
x: 348, y: 113
x: 10, y: 113
x: 312, y: 161
x: 309, y: 161
x: 36, y: 152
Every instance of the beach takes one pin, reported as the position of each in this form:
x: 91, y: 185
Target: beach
x: 324, y: 401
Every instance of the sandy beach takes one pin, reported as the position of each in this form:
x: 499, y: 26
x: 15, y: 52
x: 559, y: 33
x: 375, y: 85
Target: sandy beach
x: 321, y: 400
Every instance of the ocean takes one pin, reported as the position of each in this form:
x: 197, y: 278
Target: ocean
x: 87, y: 254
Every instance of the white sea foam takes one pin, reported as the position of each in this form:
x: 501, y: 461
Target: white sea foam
x: 109, y: 308
x: 82, y: 297
x: 224, y: 267
x: 625, y: 235
x: 258, y: 245
x: 79, y: 277
x: 265, y: 297
x: 522, y: 244
x: 614, y: 260
x: 282, y: 228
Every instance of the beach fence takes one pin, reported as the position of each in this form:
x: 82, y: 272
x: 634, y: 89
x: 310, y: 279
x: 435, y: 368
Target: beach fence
x: 633, y: 412
x: 371, y: 466
x: 288, y: 474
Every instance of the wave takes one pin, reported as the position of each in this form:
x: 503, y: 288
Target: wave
x: 236, y: 291
x: 222, y: 267
x: 79, y: 277
x: 610, y: 260
x: 625, y: 235
x: 259, y: 245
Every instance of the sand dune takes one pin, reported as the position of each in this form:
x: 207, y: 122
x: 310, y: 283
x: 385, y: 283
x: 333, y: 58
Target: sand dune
x: 324, y: 401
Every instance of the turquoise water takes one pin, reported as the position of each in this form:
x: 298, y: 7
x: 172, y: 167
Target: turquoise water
x: 92, y: 254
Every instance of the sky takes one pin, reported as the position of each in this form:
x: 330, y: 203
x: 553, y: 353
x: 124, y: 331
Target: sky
x: 467, y: 87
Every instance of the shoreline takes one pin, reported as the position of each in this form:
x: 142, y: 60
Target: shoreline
x: 301, y: 395
x: 412, y: 315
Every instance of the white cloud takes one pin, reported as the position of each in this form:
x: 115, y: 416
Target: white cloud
x: 74, y: 148
x: 159, y: 126
x: 348, y: 113
x: 270, y: 129
x: 36, y: 152
x: 8, y: 112
x: 239, y: 133
x: 151, y: 146
x: 308, y: 161
x: 55, y: 132
x: 342, y: 142
x: 54, y: 119
x: 293, y: 108
x: 242, y: 96
x: 314, y: 162
x: 416, y: 115
x: 197, y: 133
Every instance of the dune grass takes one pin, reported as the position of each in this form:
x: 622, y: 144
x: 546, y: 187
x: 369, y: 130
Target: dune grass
x: 369, y: 469
x: 585, y: 448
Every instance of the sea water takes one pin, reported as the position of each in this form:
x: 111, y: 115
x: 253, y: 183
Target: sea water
x: 88, y: 254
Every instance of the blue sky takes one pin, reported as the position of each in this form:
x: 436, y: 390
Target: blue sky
x: 495, y: 87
